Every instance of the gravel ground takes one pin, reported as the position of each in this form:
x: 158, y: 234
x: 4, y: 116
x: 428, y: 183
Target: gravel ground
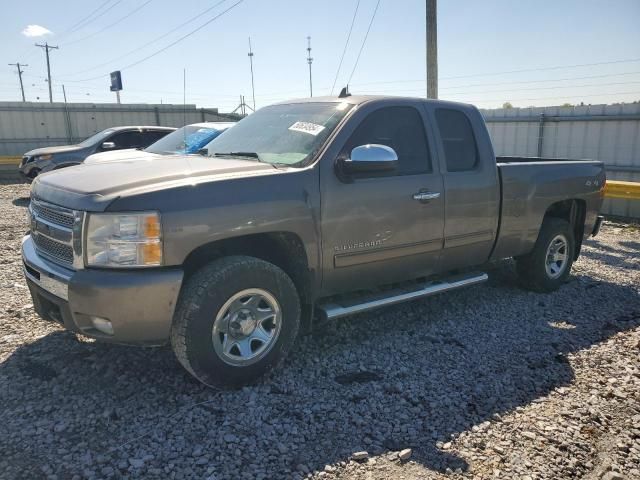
x: 491, y: 382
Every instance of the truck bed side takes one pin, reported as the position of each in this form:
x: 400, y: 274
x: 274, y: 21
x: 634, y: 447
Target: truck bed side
x: 531, y: 187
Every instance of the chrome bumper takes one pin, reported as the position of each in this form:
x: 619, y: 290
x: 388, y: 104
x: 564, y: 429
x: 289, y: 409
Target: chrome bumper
x: 139, y: 304
x: 47, y: 275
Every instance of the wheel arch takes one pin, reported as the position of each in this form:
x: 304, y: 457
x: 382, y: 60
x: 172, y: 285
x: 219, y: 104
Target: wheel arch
x: 283, y: 249
x: 573, y: 211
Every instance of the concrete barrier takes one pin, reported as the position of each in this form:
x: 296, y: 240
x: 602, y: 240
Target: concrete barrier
x: 624, y: 190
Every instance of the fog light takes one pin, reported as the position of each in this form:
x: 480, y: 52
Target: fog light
x: 102, y: 324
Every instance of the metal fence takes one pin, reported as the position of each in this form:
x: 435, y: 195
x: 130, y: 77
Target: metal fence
x: 610, y: 133
x: 25, y: 126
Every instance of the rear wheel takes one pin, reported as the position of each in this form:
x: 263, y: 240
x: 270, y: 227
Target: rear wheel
x: 236, y: 319
x: 549, y: 264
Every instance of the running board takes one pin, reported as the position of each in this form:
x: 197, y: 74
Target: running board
x: 345, y: 307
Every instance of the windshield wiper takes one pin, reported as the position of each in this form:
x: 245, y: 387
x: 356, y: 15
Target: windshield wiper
x: 238, y: 154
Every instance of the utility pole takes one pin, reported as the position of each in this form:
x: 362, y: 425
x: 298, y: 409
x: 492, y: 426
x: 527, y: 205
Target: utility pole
x: 309, y: 61
x: 48, y: 47
x: 432, y: 49
x: 253, y: 90
x: 20, y: 72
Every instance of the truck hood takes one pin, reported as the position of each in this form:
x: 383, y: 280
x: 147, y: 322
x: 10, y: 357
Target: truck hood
x: 127, y: 154
x: 52, y: 150
x: 94, y: 186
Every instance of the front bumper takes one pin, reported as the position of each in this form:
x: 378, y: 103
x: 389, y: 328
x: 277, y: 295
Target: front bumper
x: 29, y: 170
x: 138, y: 303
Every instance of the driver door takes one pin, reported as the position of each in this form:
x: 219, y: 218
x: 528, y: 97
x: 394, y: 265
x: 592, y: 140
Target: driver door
x: 378, y: 228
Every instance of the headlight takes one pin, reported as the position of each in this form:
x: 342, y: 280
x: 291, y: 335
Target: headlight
x: 124, y: 240
x: 43, y: 157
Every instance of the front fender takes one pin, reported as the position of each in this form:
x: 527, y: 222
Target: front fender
x: 285, y: 201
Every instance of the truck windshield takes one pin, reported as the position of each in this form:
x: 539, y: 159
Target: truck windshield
x: 281, y: 134
x: 188, y: 139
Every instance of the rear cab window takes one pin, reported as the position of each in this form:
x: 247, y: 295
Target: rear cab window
x: 458, y: 140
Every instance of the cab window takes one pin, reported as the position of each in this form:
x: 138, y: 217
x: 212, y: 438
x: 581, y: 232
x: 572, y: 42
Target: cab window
x: 400, y: 128
x: 458, y: 141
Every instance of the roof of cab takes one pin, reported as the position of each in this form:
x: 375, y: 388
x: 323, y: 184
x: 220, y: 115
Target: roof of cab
x: 360, y: 99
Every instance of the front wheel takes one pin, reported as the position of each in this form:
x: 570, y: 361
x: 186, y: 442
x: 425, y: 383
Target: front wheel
x: 236, y: 319
x: 548, y: 265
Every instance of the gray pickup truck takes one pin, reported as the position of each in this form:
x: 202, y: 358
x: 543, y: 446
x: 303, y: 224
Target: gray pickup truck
x: 316, y: 208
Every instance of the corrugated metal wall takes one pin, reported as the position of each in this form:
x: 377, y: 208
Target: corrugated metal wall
x: 25, y: 126
x: 610, y: 133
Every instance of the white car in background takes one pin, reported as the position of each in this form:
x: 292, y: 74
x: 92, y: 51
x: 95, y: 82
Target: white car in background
x: 186, y: 140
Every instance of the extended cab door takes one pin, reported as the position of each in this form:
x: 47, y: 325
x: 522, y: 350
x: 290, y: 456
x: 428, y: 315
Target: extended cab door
x: 380, y: 228
x: 472, y: 199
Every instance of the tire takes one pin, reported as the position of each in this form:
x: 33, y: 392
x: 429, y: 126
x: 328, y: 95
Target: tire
x: 541, y: 273
x: 254, y: 308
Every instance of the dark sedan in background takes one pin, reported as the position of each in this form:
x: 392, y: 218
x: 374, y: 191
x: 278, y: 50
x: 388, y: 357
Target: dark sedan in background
x: 46, y: 159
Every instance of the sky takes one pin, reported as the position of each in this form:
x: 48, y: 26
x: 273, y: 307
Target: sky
x: 525, y: 52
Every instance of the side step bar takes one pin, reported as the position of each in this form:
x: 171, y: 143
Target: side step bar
x: 359, y: 304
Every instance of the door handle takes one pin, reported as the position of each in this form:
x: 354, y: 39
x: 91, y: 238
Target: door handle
x: 426, y: 196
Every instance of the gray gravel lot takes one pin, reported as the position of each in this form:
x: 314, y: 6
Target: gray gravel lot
x: 490, y: 382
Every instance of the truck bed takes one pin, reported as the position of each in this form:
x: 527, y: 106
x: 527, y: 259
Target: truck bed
x: 528, y: 185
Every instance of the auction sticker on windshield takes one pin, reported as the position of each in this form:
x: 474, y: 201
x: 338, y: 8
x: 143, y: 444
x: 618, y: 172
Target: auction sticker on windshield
x: 307, y: 127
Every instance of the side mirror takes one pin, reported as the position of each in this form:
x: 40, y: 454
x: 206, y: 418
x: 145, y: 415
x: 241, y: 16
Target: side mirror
x: 372, y: 158
x: 204, y: 151
x: 108, y: 145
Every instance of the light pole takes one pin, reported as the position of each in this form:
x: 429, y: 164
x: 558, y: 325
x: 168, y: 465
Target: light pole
x: 253, y: 90
x: 309, y: 61
x: 20, y: 72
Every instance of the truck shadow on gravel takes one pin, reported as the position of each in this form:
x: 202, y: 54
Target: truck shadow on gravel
x: 409, y: 376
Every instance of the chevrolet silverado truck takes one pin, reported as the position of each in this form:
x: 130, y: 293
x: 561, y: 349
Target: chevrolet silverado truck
x: 310, y: 209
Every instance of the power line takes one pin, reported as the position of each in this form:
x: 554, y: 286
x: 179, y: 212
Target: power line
x: 541, y: 69
x: 156, y: 39
x: 544, y: 81
x: 632, y: 60
x: 284, y: 93
x: 182, y: 38
x: 364, y: 41
x: 519, y: 82
x: 94, y: 18
x: 346, y: 44
x: 129, y: 14
x: 85, y: 18
x: 513, y: 89
x: 637, y: 92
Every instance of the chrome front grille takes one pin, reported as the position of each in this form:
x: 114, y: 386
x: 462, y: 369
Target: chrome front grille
x: 56, y: 232
x: 57, y: 216
x: 53, y: 249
